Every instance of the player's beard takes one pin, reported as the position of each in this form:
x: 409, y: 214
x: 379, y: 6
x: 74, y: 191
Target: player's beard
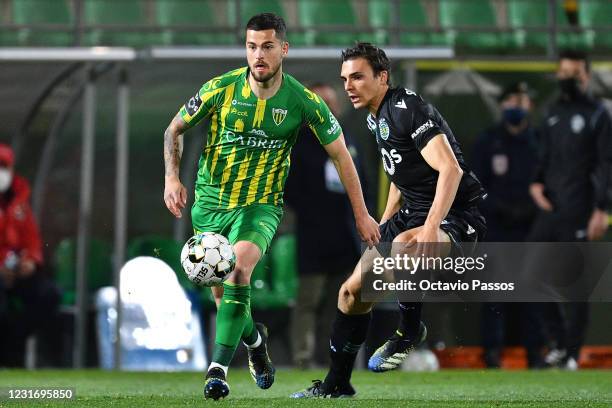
x: 264, y: 77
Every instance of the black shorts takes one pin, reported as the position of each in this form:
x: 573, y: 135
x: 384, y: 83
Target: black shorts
x: 462, y: 226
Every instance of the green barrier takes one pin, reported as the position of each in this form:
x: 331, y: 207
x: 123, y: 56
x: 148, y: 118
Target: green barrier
x: 99, y: 267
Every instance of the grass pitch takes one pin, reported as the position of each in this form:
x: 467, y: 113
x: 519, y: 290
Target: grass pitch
x: 448, y: 388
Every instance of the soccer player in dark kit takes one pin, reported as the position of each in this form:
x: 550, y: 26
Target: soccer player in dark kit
x: 432, y: 199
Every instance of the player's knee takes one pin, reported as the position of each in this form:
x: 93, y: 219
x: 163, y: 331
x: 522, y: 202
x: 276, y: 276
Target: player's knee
x: 241, y: 275
x: 347, y: 298
x: 406, y: 236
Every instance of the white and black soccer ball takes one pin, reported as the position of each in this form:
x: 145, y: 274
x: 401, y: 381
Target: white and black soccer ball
x: 208, y: 259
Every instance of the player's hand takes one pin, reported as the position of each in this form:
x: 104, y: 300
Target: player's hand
x: 26, y: 267
x: 368, y: 230
x: 598, y: 224
x: 537, y: 193
x: 426, y: 241
x: 175, y: 196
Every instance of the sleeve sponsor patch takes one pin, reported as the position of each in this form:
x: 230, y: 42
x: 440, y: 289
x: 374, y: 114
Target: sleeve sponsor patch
x: 423, y: 128
x: 193, y: 104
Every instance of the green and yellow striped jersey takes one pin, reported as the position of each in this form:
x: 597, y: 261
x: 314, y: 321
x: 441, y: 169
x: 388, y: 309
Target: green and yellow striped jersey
x: 246, y: 157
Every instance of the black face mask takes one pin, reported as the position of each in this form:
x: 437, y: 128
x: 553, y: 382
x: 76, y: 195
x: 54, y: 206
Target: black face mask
x: 514, y: 116
x: 569, y: 88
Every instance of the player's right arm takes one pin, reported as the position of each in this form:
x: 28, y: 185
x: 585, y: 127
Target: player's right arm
x: 394, y: 203
x: 205, y: 100
x: 537, y: 187
x: 175, y: 193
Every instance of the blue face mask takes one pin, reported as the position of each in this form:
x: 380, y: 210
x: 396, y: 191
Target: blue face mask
x: 514, y: 116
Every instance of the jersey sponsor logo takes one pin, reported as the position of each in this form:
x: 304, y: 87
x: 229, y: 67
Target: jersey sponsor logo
x: 424, y: 127
x: 279, y: 115
x: 409, y: 92
x: 383, y: 128
x: 253, y: 141
x: 470, y: 230
x: 390, y: 160
x: 334, y: 122
x: 212, y: 84
x: 239, y: 113
x: 577, y: 123
x: 311, y: 95
x: 235, y: 102
x: 258, y: 132
x: 193, y: 104
x: 401, y: 104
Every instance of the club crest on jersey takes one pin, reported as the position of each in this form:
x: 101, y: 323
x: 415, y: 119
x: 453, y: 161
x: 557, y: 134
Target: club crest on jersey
x: 279, y: 115
x: 577, y: 123
x: 383, y: 128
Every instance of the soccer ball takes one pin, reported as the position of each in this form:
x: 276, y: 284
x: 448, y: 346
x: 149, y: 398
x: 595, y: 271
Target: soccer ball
x: 208, y: 259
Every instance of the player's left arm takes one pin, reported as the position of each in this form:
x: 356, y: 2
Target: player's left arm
x: 440, y: 156
x: 341, y: 157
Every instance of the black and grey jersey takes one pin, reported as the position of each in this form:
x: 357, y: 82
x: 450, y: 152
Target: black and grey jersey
x: 403, y: 126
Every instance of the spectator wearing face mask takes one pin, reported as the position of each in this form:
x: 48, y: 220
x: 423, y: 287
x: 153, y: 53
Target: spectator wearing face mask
x: 504, y: 158
x: 30, y: 300
x: 571, y: 189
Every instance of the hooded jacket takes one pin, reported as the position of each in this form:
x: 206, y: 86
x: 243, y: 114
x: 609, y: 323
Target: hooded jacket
x: 18, y: 230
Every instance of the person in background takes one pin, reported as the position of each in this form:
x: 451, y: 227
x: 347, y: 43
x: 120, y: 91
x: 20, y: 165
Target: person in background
x: 504, y: 159
x: 316, y: 194
x: 31, y: 300
x: 571, y: 189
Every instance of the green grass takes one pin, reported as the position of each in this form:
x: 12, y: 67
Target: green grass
x: 438, y: 389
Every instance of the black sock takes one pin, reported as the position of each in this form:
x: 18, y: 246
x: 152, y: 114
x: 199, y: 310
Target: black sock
x: 348, y: 333
x: 410, y: 319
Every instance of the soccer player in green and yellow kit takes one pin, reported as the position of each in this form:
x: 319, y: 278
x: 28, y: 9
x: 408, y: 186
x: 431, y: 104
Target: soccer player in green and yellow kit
x: 256, y: 114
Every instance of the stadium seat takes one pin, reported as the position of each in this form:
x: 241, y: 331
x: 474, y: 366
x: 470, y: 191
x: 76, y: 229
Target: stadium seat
x: 196, y: 13
x: 381, y: 14
x: 593, y: 15
x: 318, y: 17
x: 120, y: 13
x: 454, y: 14
x: 166, y: 249
x: 33, y: 12
x: 283, y: 266
x: 248, y: 8
x: 274, y: 281
x: 99, y: 267
x: 525, y: 14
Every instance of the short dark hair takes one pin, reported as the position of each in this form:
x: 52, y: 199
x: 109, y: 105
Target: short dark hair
x: 576, y: 55
x: 375, y: 56
x: 268, y: 21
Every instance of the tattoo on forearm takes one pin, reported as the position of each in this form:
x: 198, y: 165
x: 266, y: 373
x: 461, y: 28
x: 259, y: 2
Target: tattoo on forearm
x: 173, y: 146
